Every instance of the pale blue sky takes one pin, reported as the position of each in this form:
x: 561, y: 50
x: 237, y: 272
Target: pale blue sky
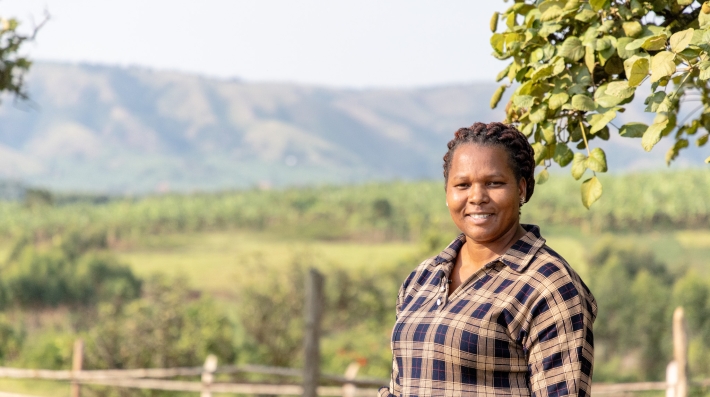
x: 344, y: 43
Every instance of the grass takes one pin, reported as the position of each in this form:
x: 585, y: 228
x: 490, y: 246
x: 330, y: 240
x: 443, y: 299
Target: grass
x: 212, y: 261
x: 35, y: 387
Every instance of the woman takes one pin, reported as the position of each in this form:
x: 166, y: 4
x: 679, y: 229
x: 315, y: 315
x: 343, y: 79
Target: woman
x: 497, y: 312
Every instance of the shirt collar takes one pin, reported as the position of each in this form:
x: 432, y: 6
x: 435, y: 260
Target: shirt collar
x: 517, y: 257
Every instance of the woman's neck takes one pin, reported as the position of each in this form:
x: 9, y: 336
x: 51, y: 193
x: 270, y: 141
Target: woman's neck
x: 476, y: 254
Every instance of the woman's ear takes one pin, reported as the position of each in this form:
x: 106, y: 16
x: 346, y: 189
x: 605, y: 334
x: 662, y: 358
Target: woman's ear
x: 522, y: 189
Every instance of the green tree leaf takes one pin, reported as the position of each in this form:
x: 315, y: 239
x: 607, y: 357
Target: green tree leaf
x: 621, y: 48
x: 704, y: 17
x: 600, y: 4
x: 653, y: 135
x: 675, y: 149
x: 579, y: 165
x: 494, y: 22
x: 704, y: 70
x: 662, y: 65
x: 523, y: 101
x: 543, y: 72
x: 598, y: 121
x: 542, y: 177
x: 551, y: 13
x: 583, y: 102
x: 538, y: 113
x: 620, y: 89
x: 563, y: 155
x: 633, y: 130
x: 680, y: 40
x: 655, y: 43
x: 597, y: 160
x: 557, y: 100
x: 632, y: 28
x: 591, y: 191
x: 498, y: 42
x: 586, y: 15
x: 589, y: 58
x: 496, y: 96
x: 637, y: 69
x: 572, y: 49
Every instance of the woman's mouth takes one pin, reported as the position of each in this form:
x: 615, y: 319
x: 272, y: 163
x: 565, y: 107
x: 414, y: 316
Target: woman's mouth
x: 480, y: 216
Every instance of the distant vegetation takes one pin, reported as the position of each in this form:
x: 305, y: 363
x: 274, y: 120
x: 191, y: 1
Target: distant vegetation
x: 382, y: 211
x: 60, y: 258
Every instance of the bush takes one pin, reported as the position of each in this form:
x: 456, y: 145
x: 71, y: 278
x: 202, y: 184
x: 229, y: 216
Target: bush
x: 166, y: 327
x: 69, y: 272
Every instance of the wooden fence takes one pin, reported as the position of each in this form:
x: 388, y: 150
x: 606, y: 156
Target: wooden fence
x: 676, y: 384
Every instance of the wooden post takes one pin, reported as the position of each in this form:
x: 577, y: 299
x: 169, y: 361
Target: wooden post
x: 208, y: 371
x: 76, y: 365
x: 680, y: 352
x: 350, y: 373
x: 671, y: 379
x: 311, y: 340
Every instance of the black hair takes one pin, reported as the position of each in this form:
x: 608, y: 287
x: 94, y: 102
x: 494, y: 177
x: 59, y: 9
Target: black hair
x: 521, y: 155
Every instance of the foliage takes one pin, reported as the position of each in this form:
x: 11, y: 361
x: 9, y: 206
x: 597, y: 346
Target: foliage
x: 270, y: 308
x: 14, y: 66
x: 67, y: 273
x: 636, y: 203
x: 636, y: 295
x: 166, y: 327
x: 578, y: 63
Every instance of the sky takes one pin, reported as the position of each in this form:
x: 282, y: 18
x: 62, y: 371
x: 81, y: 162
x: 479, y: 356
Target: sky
x: 341, y: 43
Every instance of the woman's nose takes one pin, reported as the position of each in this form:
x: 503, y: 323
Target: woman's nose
x: 477, y: 194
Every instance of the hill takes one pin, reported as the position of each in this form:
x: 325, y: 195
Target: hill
x: 128, y: 130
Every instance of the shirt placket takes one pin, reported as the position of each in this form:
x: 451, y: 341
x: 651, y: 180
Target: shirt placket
x: 443, y: 298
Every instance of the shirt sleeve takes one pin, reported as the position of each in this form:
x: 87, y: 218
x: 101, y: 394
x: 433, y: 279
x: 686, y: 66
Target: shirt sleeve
x: 394, y: 388
x: 560, y: 343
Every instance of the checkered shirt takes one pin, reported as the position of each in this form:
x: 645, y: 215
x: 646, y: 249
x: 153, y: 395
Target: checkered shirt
x: 519, y: 326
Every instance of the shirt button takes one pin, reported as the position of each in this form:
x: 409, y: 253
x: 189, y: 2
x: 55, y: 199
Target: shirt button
x: 438, y: 302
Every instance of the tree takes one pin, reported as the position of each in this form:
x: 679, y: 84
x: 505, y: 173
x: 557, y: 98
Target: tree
x: 14, y: 65
x: 577, y: 63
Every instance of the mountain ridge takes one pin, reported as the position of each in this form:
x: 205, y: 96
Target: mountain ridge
x: 129, y: 130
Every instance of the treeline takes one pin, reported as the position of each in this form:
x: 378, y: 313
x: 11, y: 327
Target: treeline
x: 382, y: 211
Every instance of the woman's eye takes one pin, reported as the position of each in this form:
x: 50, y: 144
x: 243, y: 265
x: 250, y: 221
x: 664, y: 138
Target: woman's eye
x: 495, y: 183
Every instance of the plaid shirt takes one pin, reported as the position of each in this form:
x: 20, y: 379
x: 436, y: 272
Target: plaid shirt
x: 519, y: 326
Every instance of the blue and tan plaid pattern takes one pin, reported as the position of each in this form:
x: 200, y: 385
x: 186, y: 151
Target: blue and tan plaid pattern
x: 520, y: 326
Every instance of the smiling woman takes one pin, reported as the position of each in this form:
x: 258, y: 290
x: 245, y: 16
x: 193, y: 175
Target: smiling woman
x: 497, y: 312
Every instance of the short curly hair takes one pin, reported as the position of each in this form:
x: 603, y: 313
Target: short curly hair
x: 521, y: 155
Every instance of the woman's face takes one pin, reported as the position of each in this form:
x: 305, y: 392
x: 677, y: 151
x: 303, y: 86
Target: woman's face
x: 482, y: 193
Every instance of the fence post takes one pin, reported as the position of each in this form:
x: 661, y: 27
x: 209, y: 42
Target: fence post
x: 311, y: 341
x: 680, y: 352
x: 208, y: 375
x: 76, y: 366
x: 350, y: 373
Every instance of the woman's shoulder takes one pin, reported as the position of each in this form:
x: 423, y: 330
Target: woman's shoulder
x: 552, y: 272
x: 432, y: 266
x: 422, y: 273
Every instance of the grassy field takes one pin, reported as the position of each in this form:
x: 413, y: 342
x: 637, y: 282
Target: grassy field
x: 213, y: 261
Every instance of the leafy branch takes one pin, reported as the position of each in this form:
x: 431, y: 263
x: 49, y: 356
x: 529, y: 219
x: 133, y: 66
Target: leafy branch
x: 578, y: 63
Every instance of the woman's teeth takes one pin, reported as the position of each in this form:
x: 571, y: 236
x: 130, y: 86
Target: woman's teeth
x: 479, y: 216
